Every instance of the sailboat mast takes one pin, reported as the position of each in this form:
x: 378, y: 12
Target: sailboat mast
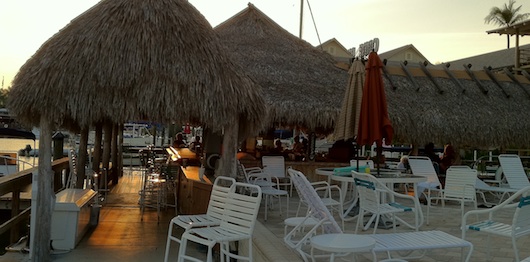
x: 301, y: 17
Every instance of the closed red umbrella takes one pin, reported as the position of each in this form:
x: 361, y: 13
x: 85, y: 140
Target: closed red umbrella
x: 374, y: 123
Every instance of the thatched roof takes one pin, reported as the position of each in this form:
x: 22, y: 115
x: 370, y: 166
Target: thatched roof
x: 123, y: 60
x: 466, y: 115
x: 302, y: 85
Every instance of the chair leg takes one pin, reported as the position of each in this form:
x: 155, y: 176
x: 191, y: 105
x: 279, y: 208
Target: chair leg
x: 514, y: 243
x: 360, y: 218
x: 376, y: 222
x: 182, y: 249
x: 168, y: 241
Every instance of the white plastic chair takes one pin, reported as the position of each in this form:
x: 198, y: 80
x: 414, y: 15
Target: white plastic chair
x: 372, y: 199
x: 459, y: 186
x: 220, y: 189
x: 514, y: 171
x: 270, y: 190
x: 237, y: 224
x: 422, y: 166
x: 520, y: 224
x: 275, y: 167
x: 269, y: 187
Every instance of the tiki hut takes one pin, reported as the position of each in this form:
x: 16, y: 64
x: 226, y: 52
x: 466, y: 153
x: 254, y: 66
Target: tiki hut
x: 121, y: 60
x: 303, y: 87
x: 470, y: 109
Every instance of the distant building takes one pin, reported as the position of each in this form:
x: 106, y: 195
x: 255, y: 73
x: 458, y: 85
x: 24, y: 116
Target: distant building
x: 337, y: 50
x: 521, y: 56
x: 497, y: 60
x: 407, y: 53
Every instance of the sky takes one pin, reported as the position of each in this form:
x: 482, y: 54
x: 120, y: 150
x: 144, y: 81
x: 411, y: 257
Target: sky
x: 442, y: 30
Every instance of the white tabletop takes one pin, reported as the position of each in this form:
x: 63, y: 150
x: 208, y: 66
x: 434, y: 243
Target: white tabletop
x: 343, y: 242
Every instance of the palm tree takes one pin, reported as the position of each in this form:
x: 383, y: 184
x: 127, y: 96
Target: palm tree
x: 506, y: 16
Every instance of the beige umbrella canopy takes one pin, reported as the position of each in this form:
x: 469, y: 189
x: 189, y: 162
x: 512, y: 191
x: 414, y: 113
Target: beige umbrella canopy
x: 121, y: 60
x: 347, y: 123
x: 302, y: 85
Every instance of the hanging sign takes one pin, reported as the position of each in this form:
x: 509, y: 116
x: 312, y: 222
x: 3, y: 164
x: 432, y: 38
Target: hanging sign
x: 367, y: 47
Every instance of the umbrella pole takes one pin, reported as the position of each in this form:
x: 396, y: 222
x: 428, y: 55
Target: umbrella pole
x: 357, y: 156
x: 379, y: 154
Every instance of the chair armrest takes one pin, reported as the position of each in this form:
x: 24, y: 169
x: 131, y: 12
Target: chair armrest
x: 506, y: 204
x: 250, y: 170
x: 318, y: 183
x: 493, y: 181
x: 329, y: 188
x: 263, y: 177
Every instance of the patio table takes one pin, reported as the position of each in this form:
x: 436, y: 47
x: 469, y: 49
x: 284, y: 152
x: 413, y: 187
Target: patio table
x: 387, y: 176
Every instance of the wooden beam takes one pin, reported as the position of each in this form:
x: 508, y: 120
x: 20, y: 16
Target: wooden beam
x: 515, y: 80
x: 409, y: 75
x: 453, y: 77
x: 474, y: 77
x: 429, y: 75
x: 494, y: 79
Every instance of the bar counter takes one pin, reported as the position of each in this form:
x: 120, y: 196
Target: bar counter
x: 193, y: 194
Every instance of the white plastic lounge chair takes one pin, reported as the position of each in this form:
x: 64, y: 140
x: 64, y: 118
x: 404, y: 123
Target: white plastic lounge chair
x: 373, y: 199
x: 495, y: 191
x: 331, y: 196
x: 514, y: 171
x: 459, y: 186
x: 237, y: 224
x: 422, y: 166
x: 222, y: 185
x: 409, y: 241
x: 499, y: 179
x: 520, y: 224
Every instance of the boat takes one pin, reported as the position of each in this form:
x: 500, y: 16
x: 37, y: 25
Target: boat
x: 137, y: 135
x: 10, y: 161
x: 134, y: 135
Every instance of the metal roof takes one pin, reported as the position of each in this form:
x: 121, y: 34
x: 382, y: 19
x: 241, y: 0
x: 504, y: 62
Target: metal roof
x: 522, y: 28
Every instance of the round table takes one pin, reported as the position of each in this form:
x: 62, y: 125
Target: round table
x: 342, y: 243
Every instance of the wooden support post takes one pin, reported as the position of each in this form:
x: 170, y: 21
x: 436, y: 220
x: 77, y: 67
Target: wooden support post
x: 45, y: 197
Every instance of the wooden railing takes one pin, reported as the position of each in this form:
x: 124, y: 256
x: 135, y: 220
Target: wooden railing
x: 15, y: 184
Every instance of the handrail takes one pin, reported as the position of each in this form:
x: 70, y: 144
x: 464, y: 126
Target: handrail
x: 5, y: 160
x: 15, y: 184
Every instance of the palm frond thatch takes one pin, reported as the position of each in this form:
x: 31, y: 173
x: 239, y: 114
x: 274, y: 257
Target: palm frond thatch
x: 301, y: 83
x: 123, y: 60
x: 466, y: 117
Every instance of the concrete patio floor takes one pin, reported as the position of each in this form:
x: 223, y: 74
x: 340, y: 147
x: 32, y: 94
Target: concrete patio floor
x: 121, y: 235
